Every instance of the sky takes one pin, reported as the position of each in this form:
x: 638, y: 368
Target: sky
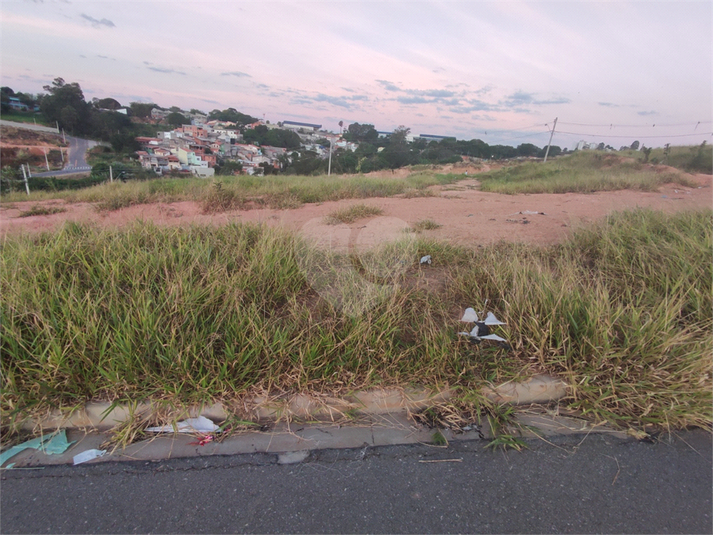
x: 500, y: 71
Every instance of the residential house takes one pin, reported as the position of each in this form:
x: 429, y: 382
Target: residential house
x: 292, y: 125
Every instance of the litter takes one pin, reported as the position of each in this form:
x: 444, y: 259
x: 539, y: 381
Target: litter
x: 481, y: 330
x: 189, y: 425
x: 529, y: 212
x: 471, y: 316
x: 426, y: 260
x: 49, y: 444
x: 203, y: 441
x: 88, y: 455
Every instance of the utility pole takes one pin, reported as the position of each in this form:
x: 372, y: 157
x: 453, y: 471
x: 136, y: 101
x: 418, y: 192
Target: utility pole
x: 27, y: 186
x: 550, y: 143
x: 329, y: 167
x: 47, y: 163
x: 111, y: 174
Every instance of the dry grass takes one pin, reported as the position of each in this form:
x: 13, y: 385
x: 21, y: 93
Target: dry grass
x: 352, y: 213
x: 622, y: 313
x: 42, y: 210
x: 426, y: 224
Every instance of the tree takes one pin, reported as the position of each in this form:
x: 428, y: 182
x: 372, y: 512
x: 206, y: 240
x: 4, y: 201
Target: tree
x: 125, y: 142
x: 69, y: 118
x: 108, y: 123
x: 361, y: 132
x: 527, y: 149
x: 231, y: 115
x: 262, y: 135
x: 177, y: 119
x: 601, y: 146
x: 230, y: 167
x: 65, y: 102
x: 647, y: 153
x: 397, y: 152
x: 106, y: 103
x: 635, y: 145
x: 141, y: 109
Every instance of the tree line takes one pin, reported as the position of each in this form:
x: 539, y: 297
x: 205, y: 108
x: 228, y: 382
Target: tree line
x: 64, y: 104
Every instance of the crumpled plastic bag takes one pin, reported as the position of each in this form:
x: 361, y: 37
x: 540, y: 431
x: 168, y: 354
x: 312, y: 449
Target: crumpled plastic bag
x: 189, y: 425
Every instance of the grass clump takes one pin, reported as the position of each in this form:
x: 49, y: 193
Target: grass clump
x: 352, y: 213
x: 426, y: 224
x: 622, y: 312
x: 42, y: 210
x: 581, y: 172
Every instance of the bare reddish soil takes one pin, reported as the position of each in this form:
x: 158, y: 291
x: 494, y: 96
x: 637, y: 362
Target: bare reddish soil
x: 467, y: 216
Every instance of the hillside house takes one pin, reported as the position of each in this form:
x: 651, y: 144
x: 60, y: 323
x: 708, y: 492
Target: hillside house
x: 292, y: 125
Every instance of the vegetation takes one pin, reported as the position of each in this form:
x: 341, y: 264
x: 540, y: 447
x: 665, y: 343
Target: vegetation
x: 231, y: 115
x: 243, y: 191
x: 426, y: 224
x: 622, y: 313
x: 696, y: 159
x: 274, y: 137
x: 42, y: 210
x: 352, y: 213
x: 583, y: 171
x: 25, y: 117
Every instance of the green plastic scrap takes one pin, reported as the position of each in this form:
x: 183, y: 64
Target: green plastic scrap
x: 49, y: 444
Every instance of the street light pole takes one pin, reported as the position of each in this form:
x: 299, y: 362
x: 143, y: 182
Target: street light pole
x: 329, y: 168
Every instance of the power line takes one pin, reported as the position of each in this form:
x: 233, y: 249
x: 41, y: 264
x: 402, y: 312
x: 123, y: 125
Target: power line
x: 650, y: 125
x: 531, y: 135
x: 634, y: 136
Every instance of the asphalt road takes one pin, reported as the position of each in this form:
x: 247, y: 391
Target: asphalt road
x: 76, y: 153
x: 592, y: 484
x: 76, y: 158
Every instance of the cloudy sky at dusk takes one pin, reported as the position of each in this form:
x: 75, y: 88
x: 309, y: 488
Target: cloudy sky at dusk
x: 497, y: 71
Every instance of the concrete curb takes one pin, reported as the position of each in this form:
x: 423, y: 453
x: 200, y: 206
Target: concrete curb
x: 382, y: 419
x: 292, y: 443
x: 103, y: 416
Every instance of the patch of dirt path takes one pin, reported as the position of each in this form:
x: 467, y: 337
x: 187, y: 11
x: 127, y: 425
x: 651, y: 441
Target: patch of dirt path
x: 468, y: 216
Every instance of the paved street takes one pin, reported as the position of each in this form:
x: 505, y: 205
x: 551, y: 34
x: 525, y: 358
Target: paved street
x: 76, y: 152
x: 577, y: 484
x: 76, y: 158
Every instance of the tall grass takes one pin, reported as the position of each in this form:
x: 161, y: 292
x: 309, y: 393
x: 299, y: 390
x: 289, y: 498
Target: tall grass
x: 622, y: 312
x: 244, y: 192
x: 583, y: 172
x: 352, y: 213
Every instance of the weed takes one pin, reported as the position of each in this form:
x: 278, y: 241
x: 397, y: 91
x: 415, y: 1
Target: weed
x: 42, y: 210
x: 507, y: 442
x: 352, y: 213
x: 439, y: 439
x: 243, y: 192
x: 412, y: 193
x: 426, y: 224
x: 581, y: 172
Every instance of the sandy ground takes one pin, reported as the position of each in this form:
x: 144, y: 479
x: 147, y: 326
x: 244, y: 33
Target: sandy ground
x: 468, y: 216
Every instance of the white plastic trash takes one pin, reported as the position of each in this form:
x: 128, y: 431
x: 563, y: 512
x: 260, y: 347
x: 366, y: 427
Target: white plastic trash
x: 189, y: 425
x: 88, y: 455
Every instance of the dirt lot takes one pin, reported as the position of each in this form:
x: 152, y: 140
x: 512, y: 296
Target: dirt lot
x: 467, y: 216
